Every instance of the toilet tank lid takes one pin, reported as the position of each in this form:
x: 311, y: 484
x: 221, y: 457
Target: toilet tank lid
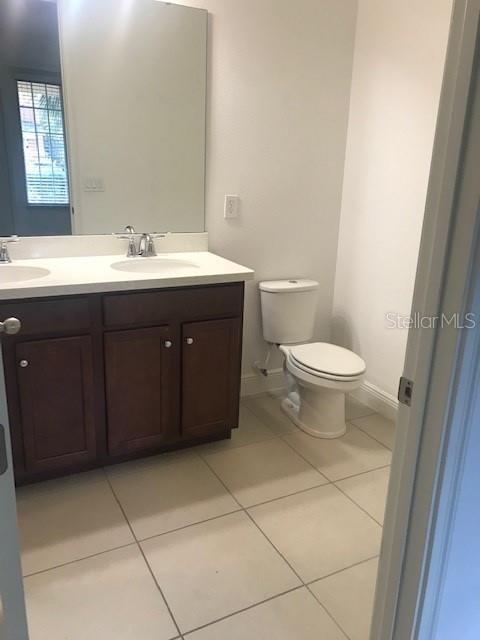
x: 292, y: 285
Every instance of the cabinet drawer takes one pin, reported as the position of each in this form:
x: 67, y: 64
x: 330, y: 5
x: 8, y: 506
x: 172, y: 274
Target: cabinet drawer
x: 161, y: 307
x: 49, y: 316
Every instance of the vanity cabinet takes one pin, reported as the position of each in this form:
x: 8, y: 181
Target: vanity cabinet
x: 97, y: 379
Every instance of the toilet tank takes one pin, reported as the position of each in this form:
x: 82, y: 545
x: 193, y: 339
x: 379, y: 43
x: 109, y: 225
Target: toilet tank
x: 288, y: 310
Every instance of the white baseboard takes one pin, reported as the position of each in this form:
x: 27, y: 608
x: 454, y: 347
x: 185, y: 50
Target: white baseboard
x: 374, y: 397
x: 378, y: 400
x: 254, y: 383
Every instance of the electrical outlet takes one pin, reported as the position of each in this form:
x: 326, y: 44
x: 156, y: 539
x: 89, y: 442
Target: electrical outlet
x: 232, y: 207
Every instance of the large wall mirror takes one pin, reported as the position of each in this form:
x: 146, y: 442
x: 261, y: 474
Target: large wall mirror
x: 102, y: 116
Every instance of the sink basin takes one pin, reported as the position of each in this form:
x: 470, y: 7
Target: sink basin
x: 154, y: 265
x: 18, y: 273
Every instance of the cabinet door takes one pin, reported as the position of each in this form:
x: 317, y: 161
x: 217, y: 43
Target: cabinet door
x: 210, y: 376
x: 56, y: 392
x: 142, y: 389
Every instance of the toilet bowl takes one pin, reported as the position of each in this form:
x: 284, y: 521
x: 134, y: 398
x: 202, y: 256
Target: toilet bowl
x: 318, y: 375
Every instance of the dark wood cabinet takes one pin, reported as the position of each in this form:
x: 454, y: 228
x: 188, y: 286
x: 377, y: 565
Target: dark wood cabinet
x: 140, y: 389
x: 210, y: 375
x: 55, y: 388
x: 109, y: 377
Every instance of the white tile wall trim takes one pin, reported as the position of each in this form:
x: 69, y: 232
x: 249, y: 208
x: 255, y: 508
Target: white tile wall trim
x: 377, y: 399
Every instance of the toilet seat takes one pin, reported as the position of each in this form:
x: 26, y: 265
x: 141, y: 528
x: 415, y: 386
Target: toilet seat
x: 325, y: 360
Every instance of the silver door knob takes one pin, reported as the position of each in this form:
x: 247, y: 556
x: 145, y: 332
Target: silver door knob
x: 10, y: 326
x: 24, y: 363
x: 167, y: 344
x: 189, y: 340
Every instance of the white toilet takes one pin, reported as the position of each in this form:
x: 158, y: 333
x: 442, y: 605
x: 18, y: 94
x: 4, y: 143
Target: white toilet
x: 318, y: 374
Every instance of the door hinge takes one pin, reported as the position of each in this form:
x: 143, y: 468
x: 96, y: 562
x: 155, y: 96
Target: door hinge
x: 405, y: 391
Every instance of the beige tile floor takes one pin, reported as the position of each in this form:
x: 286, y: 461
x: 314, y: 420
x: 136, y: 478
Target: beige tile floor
x: 272, y: 534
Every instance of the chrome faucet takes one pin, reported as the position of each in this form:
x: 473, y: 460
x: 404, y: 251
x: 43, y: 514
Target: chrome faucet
x: 146, y: 248
x: 4, y: 256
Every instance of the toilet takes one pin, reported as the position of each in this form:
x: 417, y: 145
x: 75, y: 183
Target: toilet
x: 318, y: 374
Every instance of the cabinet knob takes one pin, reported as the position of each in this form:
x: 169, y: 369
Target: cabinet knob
x: 10, y: 326
x: 167, y: 344
x: 24, y: 363
x: 189, y: 340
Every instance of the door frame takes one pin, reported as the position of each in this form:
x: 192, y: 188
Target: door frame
x: 425, y: 431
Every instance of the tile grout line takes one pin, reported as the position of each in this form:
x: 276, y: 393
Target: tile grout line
x: 368, y: 434
x: 286, y: 495
x: 334, y: 573
x: 180, y: 635
x: 360, y: 507
x: 187, y: 526
x: 251, y: 606
x: 92, y: 555
x: 324, y: 484
x: 307, y: 586
x: 274, y: 547
x: 362, y: 473
x: 333, y: 483
x: 354, y: 475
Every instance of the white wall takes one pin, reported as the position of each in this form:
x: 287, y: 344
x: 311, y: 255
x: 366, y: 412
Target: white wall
x: 278, y: 92
x: 398, y: 63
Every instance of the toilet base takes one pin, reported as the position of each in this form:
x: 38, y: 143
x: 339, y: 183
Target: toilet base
x: 320, y: 413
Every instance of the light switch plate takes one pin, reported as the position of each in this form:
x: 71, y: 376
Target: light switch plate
x: 231, y: 208
x: 93, y: 184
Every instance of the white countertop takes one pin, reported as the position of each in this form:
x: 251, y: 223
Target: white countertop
x: 94, y: 274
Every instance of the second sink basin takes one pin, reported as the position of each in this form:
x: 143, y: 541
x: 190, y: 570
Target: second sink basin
x: 154, y: 265
x: 19, y: 273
